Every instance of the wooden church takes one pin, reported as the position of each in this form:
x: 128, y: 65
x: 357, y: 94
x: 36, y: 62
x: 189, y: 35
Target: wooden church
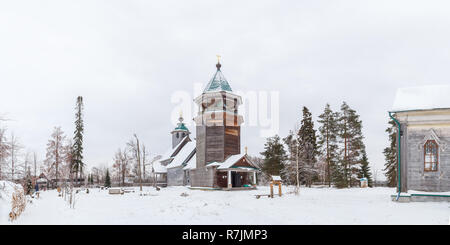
x: 213, y: 159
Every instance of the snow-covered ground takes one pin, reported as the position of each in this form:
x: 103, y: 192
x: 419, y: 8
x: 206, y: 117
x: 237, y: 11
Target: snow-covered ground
x: 312, y: 206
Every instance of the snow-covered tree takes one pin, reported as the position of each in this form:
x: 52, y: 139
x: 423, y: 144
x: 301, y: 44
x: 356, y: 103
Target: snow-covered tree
x: 291, y: 169
x: 4, y: 153
x: 144, y: 154
x: 55, y: 155
x: 14, y: 148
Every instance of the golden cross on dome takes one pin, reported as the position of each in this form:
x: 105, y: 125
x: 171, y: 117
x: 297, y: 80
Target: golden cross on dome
x: 218, y: 58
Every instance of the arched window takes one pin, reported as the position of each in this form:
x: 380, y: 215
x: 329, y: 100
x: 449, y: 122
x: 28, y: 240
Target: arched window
x: 431, y: 156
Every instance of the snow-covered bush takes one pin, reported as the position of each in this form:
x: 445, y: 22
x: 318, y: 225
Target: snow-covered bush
x: 12, y: 200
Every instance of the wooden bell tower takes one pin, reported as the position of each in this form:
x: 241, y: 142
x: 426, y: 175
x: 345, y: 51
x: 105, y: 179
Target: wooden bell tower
x: 218, y: 124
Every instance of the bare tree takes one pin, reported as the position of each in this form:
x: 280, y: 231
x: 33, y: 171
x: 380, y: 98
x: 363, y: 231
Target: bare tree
x: 4, y: 152
x: 138, y: 159
x: 121, y: 165
x: 144, y: 156
x: 152, y: 162
x: 134, y: 147
x: 96, y: 172
x: 14, y: 148
x: 35, y: 164
x: 26, y: 165
x: 55, y: 154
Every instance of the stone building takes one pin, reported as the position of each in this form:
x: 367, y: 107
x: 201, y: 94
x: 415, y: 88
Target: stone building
x: 422, y: 115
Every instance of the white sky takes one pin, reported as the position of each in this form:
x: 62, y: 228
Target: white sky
x: 126, y: 58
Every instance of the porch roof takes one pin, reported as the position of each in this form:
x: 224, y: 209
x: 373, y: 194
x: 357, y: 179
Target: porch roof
x: 232, y: 160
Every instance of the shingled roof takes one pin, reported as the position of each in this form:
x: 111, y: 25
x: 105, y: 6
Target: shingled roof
x: 218, y: 82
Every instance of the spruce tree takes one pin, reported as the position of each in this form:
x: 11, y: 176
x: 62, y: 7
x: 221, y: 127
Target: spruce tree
x: 350, y: 132
x: 29, y: 185
x: 77, y: 158
x: 274, y: 156
x: 365, y: 171
x: 390, y: 156
x: 307, y: 147
x: 327, y: 139
x: 107, y: 179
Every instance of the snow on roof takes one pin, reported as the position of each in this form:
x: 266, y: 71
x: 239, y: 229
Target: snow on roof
x: 169, y: 152
x: 422, y: 98
x: 229, y: 162
x: 192, y: 163
x: 159, y: 168
x: 184, y: 153
x: 276, y: 177
x: 41, y: 180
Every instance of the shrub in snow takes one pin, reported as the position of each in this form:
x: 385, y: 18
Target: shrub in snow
x: 11, y: 194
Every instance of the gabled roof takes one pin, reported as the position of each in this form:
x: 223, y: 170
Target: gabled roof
x: 422, y: 98
x: 191, y: 163
x: 183, y: 155
x: 218, y: 82
x: 232, y: 160
x: 171, y: 152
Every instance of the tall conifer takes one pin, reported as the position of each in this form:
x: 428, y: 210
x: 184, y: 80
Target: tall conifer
x: 350, y: 132
x: 327, y: 140
x: 77, y: 158
x: 390, y: 156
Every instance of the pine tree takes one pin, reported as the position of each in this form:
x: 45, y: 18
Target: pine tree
x: 77, y: 157
x: 327, y: 139
x: 107, y: 179
x: 390, y: 156
x: 274, y: 156
x: 365, y: 169
x: 350, y: 132
x: 307, y: 147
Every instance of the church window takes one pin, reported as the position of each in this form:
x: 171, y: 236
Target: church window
x: 431, y: 156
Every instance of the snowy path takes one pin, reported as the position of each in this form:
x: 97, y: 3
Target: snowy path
x: 312, y: 206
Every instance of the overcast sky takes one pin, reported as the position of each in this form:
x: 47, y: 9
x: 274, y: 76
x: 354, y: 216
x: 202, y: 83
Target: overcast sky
x: 127, y: 58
